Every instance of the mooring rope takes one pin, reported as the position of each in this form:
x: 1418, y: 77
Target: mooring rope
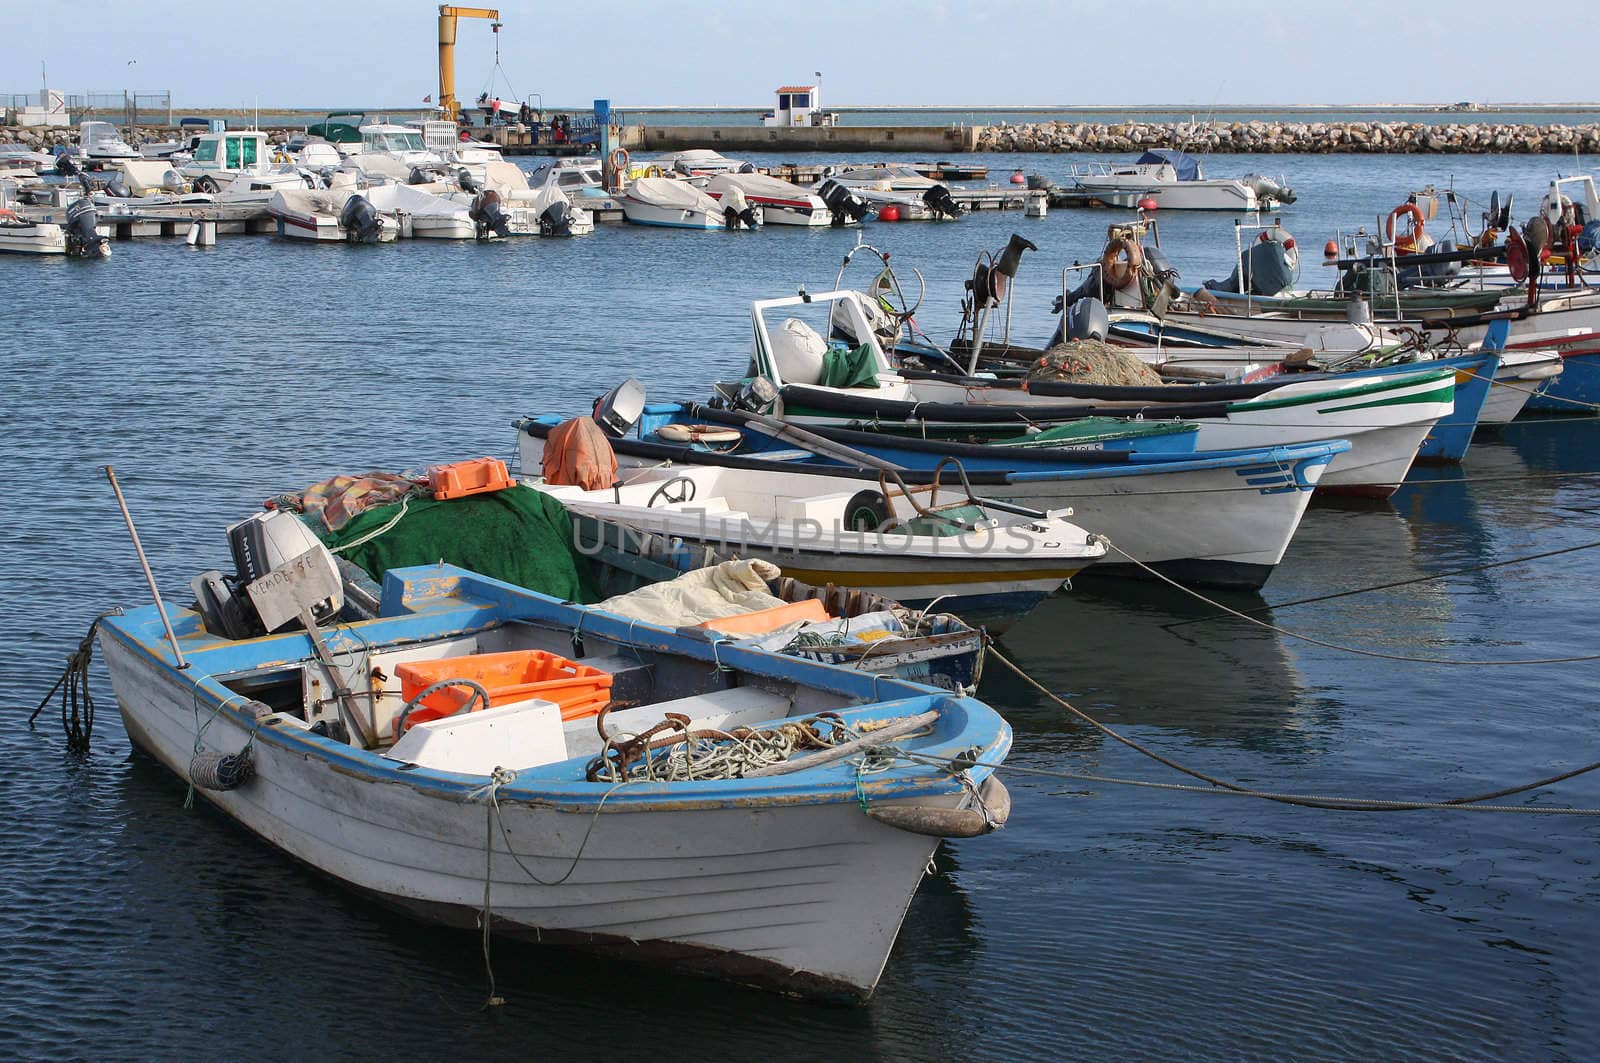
x: 77, y: 698
x: 1532, y: 391
x: 1356, y: 650
x: 1218, y: 785
x: 1387, y: 586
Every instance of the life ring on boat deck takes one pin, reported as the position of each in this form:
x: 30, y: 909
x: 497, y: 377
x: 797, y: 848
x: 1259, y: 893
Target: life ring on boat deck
x: 698, y: 433
x: 1408, y: 243
x: 619, y: 160
x: 8, y: 213
x: 1121, y: 262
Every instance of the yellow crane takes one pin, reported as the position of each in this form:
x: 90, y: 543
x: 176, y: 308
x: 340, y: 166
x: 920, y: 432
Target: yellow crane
x: 447, y: 50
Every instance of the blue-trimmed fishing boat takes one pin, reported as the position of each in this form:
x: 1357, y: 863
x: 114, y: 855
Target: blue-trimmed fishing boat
x: 726, y: 823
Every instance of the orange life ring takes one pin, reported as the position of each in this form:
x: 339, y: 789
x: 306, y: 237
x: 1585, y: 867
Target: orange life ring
x: 1121, y: 262
x: 1407, y: 243
x: 619, y: 160
x: 7, y: 212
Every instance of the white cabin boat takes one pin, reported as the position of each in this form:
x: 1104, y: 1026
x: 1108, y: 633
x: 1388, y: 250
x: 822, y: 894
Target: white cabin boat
x: 1175, y: 181
x: 327, y: 214
x: 101, y: 141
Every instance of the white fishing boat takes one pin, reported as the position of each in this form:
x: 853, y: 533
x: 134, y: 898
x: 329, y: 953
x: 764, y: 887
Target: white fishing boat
x: 985, y: 563
x: 671, y: 203
x: 1174, y: 179
x: 100, y: 141
x: 781, y: 202
x: 1384, y: 419
x: 219, y: 157
x: 789, y: 869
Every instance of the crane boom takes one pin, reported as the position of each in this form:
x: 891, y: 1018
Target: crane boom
x: 447, y: 50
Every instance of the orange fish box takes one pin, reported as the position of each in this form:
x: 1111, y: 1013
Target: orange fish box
x: 508, y: 677
x: 462, y: 478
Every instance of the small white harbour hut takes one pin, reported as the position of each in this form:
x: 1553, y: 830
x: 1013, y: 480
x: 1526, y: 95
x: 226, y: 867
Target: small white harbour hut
x: 799, y: 105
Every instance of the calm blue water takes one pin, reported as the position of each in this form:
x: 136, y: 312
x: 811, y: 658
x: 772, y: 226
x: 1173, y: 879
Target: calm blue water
x: 1104, y: 923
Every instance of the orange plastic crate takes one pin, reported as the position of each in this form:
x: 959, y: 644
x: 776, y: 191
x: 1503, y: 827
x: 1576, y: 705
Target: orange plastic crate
x: 462, y: 478
x: 519, y: 675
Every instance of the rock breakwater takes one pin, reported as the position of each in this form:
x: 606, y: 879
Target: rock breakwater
x: 1309, y: 138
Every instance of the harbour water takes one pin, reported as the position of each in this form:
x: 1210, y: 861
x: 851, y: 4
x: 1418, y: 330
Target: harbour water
x: 1105, y: 922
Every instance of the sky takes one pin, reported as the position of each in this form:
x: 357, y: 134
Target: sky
x: 638, y: 53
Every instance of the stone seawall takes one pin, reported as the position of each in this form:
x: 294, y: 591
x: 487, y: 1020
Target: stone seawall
x: 1310, y: 138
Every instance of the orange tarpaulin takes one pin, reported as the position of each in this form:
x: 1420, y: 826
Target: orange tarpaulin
x: 578, y: 454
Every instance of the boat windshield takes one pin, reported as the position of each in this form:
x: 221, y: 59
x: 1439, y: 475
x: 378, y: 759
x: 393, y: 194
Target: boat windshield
x: 385, y: 141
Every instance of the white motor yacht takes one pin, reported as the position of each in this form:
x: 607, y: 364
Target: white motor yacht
x: 1175, y: 181
x: 101, y: 141
x: 781, y: 203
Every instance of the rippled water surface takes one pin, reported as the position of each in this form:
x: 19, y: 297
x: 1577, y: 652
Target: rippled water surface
x: 1106, y: 922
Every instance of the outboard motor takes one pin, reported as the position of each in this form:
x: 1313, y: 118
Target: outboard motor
x: 1087, y: 319
x: 1439, y: 274
x: 66, y: 166
x: 736, y: 210
x: 172, y: 181
x: 83, y: 238
x: 466, y: 181
x: 843, y: 204
x: 117, y: 187
x: 488, y: 216
x: 941, y: 202
x: 619, y: 409
x: 261, y: 544
x: 556, y: 219
x: 360, y: 221
x: 1266, y: 188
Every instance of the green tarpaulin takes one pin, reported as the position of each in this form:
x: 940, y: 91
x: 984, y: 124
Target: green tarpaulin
x: 849, y: 369
x: 518, y: 535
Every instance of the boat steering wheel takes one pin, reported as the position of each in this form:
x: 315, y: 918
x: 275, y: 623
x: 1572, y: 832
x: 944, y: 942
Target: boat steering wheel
x: 677, y: 489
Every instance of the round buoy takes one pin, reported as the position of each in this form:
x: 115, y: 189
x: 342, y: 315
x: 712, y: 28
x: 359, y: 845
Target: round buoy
x: 889, y: 213
x: 1330, y: 249
x: 1148, y: 203
x: 1018, y: 179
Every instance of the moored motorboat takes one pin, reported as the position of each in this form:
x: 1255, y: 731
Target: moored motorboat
x: 781, y: 203
x: 1176, y: 181
x: 663, y: 201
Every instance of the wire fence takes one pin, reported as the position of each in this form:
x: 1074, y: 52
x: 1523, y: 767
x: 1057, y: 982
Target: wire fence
x: 132, y: 108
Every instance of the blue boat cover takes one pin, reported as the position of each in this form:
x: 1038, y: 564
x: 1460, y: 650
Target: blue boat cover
x: 1187, y: 166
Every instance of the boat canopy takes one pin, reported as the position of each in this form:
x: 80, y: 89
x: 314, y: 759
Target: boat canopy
x: 1186, y: 165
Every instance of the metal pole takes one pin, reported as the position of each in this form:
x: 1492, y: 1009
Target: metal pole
x: 145, y: 564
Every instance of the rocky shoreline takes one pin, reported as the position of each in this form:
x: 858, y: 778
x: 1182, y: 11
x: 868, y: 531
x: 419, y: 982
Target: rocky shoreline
x: 48, y: 138
x: 1301, y: 138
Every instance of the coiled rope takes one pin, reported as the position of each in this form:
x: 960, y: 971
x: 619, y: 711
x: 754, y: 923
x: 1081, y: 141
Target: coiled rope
x: 1217, y: 785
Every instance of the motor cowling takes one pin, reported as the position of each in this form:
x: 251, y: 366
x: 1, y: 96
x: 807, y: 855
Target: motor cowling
x: 83, y: 236
x: 556, y: 219
x: 66, y: 166
x: 939, y: 200
x: 360, y: 221
x: 117, y: 186
x: 843, y: 204
x: 487, y: 214
x: 736, y: 210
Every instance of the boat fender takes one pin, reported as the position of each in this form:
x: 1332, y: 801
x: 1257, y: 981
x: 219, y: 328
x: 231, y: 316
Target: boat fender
x: 1121, y: 262
x: 867, y: 511
x: 219, y: 771
x: 1407, y: 243
x: 995, y: 809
